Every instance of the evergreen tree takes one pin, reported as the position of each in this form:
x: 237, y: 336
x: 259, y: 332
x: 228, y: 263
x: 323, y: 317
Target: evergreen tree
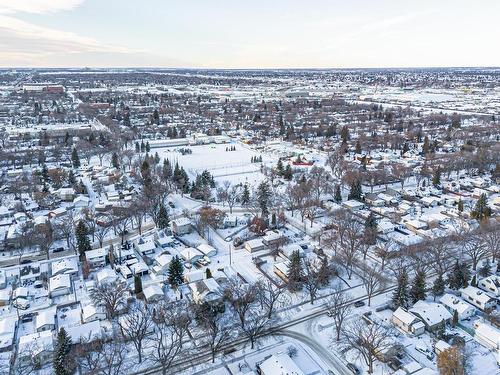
x: 175, y: 272
x: 455, y: 320
x: 245, y: 196
x: 279, y: 167
x: 137, y: 284
x: 358, y: 147
x: 75, y: 159
x: 426, y: 146
x: 288, y: 174
x: 344, y: 134
x: 71, y: 177
x: 137, y: 147
x: 263, y: 197
x: 485, y: 270
x: 295, y: 272
x: 45, y: 173
x: 481, y: 210
x: 338, y: 194
x: 400, y: 297
x: 436, y: 178
x: 148, y: 147
x: 418, y: 290
x: 82, y: 240
x: 371, y: 229
x: 163, y: 219
x: 460, y: 206
x: 114, y: 160
x: 356, y: 190
x: 438, y: 286
x: 63, y: 363
x: 208, y: 273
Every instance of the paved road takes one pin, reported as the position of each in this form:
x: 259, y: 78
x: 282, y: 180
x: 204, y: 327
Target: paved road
x: 336, y: 365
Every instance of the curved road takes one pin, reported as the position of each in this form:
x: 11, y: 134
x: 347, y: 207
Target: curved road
x: 336, y: 365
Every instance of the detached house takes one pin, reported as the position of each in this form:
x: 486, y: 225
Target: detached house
x: 432, y: 314
x: 453, y: 303
x: 408, y: 322
x: 490, y: 284
x: 478, y: 298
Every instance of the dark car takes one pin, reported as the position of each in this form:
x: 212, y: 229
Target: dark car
x: 353, y: 368
x: 171, y: 204
x: 58, y: 249
x: 359, y: 304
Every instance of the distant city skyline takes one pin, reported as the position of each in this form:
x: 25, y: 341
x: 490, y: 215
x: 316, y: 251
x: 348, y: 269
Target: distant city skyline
x: 249, y: 35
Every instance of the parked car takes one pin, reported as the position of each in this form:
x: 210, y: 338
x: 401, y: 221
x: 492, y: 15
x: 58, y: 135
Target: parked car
x: 353, y: 368
x: 359, y: 303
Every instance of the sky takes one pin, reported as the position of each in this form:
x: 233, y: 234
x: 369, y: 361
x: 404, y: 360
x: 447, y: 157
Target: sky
x: 246, y: 34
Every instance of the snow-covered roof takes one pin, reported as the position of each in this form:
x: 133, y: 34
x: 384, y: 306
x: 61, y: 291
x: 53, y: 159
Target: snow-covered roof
x: 455, y: 303
x: 431, y: 313
x: 280, y: 364
x: 404, y: 316
x: 478, y: 294
x: 59, y: 282
x: 66, y: 265
x: 152, y: 291
x: 207, y: 250
x: 45, y: 317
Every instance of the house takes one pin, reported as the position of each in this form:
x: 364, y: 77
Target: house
x: 86, y: 332
x: 230, y: 221
x: 415, y: 225
x: 161, y: 264
x: 96, y: 258
x: 91, y: 313
x: 353, y: 205
x: 59, y: 285
x: 254, y: 245
x: 39, y: 345
x: 207, y: 290
x: 66, y: 194
x: 181, y: 226
x: 478, y: 298
x: 105, y: 276
x: 145, y: 247
x: 429, y: 201
x: 191, y: 255
x: 453, y: 303
x: 68, y: 266
x: 163, y: 240
x: 207, y: 250
x: 273, y: 237
x: 153, y: 293
x: 488, y: 336
x: 434, y: 315
x: 407, y: 322
x: 279, y: 364
x: 81, y: 201
x: 490, y: 284
x: 45, y: 320
x: 5, y: 296
x: 281, y: 269
x: 8, y: 327
x: 441, y: 346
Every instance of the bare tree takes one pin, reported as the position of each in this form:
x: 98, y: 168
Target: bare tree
x: 368, y: 339
x: 113, y: 296
x: 217, y: 329
x: 113, y: 355
x: 167, y: 346
x: 136, y: 325
x: 339, y: 308
x: 372, y: 280
x: 491, y: 237
x: 312, y: 278
x: 271, y: 297
x: 474, y: 246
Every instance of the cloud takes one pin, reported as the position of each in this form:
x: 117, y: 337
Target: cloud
x: 37, y: 6
x: 23, y: 42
